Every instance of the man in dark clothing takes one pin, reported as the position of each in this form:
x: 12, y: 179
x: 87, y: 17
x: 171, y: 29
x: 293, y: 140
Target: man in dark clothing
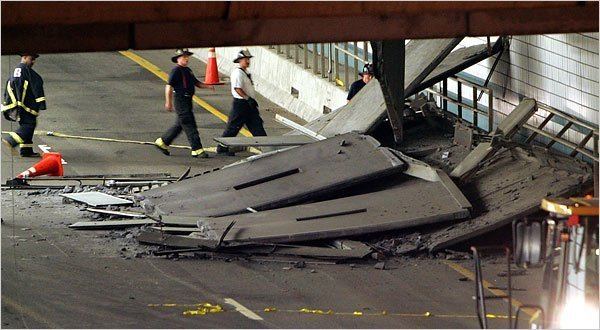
x: 245, y: 108
x: 181, y: 87
x: 365, y: 76
x: 23, y: 99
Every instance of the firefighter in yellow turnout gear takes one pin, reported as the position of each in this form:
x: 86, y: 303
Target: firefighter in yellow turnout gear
x: 23, y: 99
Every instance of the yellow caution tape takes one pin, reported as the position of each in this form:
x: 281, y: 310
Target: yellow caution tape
x: 94, y: 138
x: 315, y: 311
x: 204, y: 309
x: 208, y: 308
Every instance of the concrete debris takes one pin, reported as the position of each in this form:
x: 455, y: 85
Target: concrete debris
x: 515, y: 272
x: 380, y: 265
x: 455, y: 255
x: 300, y: 264
x: 505, y: 130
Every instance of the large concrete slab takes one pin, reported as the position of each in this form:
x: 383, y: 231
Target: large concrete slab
x: 280, y: 179
x: 512, y: 186
x: 408, y: 202
x: 368, y: 106
x: 459, y: 60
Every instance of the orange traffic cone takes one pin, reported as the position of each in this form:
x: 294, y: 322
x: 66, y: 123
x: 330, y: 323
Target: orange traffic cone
x: 51, y: 164
x: 212, y: 72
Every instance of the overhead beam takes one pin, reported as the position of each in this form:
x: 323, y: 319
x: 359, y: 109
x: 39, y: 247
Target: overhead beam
x: 104, y: 26
x: 389, y: 64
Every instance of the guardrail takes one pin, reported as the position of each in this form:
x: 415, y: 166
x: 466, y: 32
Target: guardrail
x: 475, y: 107
x: 548, y: 113
x: 338, y: 62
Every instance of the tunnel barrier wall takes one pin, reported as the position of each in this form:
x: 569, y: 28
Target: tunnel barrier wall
x: 275, y: 76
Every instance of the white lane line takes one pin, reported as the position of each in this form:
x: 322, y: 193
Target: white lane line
x: 243, y: 310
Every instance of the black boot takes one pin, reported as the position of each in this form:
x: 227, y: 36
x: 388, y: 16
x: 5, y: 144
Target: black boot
x: 223, y: 150
x: 28, y: 152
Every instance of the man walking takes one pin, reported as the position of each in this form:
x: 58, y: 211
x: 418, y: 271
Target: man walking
x: 245, y: 108
x: 180, y: 88
x: 365, y: 76
x: 23, y: 99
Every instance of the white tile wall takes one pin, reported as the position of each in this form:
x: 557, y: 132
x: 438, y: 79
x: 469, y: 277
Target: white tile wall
x: 560, y: 70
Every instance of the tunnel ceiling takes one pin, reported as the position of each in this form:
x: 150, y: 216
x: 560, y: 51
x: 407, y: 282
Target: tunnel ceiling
x: 51, y: 27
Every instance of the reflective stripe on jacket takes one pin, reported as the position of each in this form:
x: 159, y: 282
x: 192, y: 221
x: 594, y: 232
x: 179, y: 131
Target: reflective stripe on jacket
x: 24, y: 89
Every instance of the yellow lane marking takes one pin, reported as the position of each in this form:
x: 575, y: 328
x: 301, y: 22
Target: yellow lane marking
x: 162, y: 75
x: 467, y: 273
x: 27, y: 312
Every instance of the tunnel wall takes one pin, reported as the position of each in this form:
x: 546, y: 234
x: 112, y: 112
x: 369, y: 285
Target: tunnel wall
x: 274, y: 76
x: 560, y: 70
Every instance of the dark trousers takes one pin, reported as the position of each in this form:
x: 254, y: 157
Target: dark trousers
x: 27, y: 123
x: 185, y: 121
x: 243, y: 114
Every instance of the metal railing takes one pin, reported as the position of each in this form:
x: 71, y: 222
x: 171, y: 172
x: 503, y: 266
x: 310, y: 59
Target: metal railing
x: 476, y: 107
x: 339, y: 63
x: 569, y: 122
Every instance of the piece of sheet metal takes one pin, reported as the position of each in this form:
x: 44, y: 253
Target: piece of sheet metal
x: 281, y: 179
x: 94, y: 198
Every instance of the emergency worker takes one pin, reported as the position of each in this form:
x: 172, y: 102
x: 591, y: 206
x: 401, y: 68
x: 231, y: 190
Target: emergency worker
x: 180, y: 88
x: 23, y: 100
x: 244, y: 110
x: 365, y: 76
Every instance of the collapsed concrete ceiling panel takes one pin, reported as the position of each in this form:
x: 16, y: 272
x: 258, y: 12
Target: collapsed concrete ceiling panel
x: 459, y: 60
x: 368, y: 106
x: 410, y: 202
x: 280, y: 179
x: 511, y: 186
